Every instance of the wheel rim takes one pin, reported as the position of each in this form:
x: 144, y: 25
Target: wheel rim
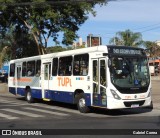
x: 82, y: 102
x: 28, y: 96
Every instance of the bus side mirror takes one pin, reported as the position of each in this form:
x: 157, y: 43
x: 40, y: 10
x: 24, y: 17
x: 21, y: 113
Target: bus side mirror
x: 109, y: 63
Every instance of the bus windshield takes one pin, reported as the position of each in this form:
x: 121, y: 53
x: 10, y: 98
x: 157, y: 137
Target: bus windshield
x: 129, y: 72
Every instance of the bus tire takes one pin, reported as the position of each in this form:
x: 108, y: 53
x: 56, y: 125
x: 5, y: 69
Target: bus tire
x: 29, y: 97
x: 81, y: 103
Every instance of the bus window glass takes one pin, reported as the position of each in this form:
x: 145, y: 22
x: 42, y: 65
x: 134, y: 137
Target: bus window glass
x: 30, y: 68
x: 38, y: 67
x: 65, y: 66
x: 46, y: 73
x: 24, y: 69
x: 102, y: 73
x: 95, y: 81
x: 130, y: 72
x: 18, y: 72
x: 95, y: 71
x: 54, y: 66
x: 12, y: 70
x: 81, y: 65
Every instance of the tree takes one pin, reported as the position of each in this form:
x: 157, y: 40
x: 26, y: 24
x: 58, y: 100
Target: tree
x: 16, y: 44
x: 127, y: 38
x: 43, y: 19
x: 5, y: 47
x: 55, y: 49
x: 152, y: 48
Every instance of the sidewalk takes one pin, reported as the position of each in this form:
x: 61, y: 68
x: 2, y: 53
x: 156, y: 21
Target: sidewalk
x: 4, y: 89
x: 155, y: 77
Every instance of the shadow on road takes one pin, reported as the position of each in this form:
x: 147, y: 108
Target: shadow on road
x: 119, y: 112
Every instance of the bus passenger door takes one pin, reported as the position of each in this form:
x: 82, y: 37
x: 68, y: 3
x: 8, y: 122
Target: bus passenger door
x: 45, y: 79
x: 17, y: 77
x: 99, y: 82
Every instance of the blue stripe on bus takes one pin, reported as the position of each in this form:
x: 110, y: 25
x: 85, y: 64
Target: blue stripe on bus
x: 12, y: 90
x: 21, y: 91
x: 67, y: 97
x: 88, y: 99
x: 61, y: 96
x: 36, y: 93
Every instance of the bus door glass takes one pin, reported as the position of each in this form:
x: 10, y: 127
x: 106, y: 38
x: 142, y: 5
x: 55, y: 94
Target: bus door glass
x: 46, y: 78
x: 99, y: 82
x: 18, y: 76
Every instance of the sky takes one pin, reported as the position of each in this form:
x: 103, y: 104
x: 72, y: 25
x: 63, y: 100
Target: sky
x: 137, y: 15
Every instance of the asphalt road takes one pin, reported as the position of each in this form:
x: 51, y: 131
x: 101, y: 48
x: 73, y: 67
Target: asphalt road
x: 16, y: 113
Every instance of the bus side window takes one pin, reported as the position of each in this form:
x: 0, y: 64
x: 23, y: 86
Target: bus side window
x: 81, y: 65
x: 12, y: 70
x: 65, y: 66
x: 38, y: 68
x: 24, y: 69
x: 54, y: 66
x: 30, y: 68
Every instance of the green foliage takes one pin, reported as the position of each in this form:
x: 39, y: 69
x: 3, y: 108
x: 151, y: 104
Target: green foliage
x: 55, y: 49
x: 42, y: 19
x: 17, y: 44
x: 152, y: 48
x: 127, y: 38
x: 149, y: 44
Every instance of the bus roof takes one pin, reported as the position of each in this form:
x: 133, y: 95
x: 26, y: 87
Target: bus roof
x: 101, y: 48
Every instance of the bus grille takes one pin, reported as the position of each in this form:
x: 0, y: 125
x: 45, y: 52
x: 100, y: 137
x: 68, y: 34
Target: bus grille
x: 128, y: 104
x: 132, y: 91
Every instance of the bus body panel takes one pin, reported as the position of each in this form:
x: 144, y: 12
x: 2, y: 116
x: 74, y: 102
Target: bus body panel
x: 63, y: 88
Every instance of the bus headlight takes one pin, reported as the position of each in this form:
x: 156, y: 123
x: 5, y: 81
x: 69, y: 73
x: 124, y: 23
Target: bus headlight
x: 115, y: 95
x: 149, y: 94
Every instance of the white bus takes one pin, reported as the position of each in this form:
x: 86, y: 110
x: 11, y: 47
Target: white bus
x: 111, y: 77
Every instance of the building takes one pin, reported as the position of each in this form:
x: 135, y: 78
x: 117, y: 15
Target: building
x: 78, y: 44
x: 93, y: 40
x: 158, y: 42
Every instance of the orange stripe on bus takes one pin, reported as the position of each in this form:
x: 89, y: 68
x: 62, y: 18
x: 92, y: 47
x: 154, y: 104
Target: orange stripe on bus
x: 23, y: 80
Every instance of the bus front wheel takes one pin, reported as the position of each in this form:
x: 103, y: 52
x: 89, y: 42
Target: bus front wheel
x: 29, y: 97
x: 81, y: 103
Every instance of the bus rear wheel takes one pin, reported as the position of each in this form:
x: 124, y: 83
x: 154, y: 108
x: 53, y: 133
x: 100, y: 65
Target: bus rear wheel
x: 81, y: 103
x: 29, y: 97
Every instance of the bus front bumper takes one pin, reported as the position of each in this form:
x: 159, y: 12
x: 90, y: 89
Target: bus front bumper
x: 121, y: 104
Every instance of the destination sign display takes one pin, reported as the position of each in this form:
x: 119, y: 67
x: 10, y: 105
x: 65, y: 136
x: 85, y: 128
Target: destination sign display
x: 127, y: 51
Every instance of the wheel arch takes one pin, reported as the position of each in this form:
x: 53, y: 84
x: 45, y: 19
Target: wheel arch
x: 27, y: 88
x: 76, y: 93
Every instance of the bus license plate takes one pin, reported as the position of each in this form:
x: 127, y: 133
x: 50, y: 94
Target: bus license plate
x: 134, y: 105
